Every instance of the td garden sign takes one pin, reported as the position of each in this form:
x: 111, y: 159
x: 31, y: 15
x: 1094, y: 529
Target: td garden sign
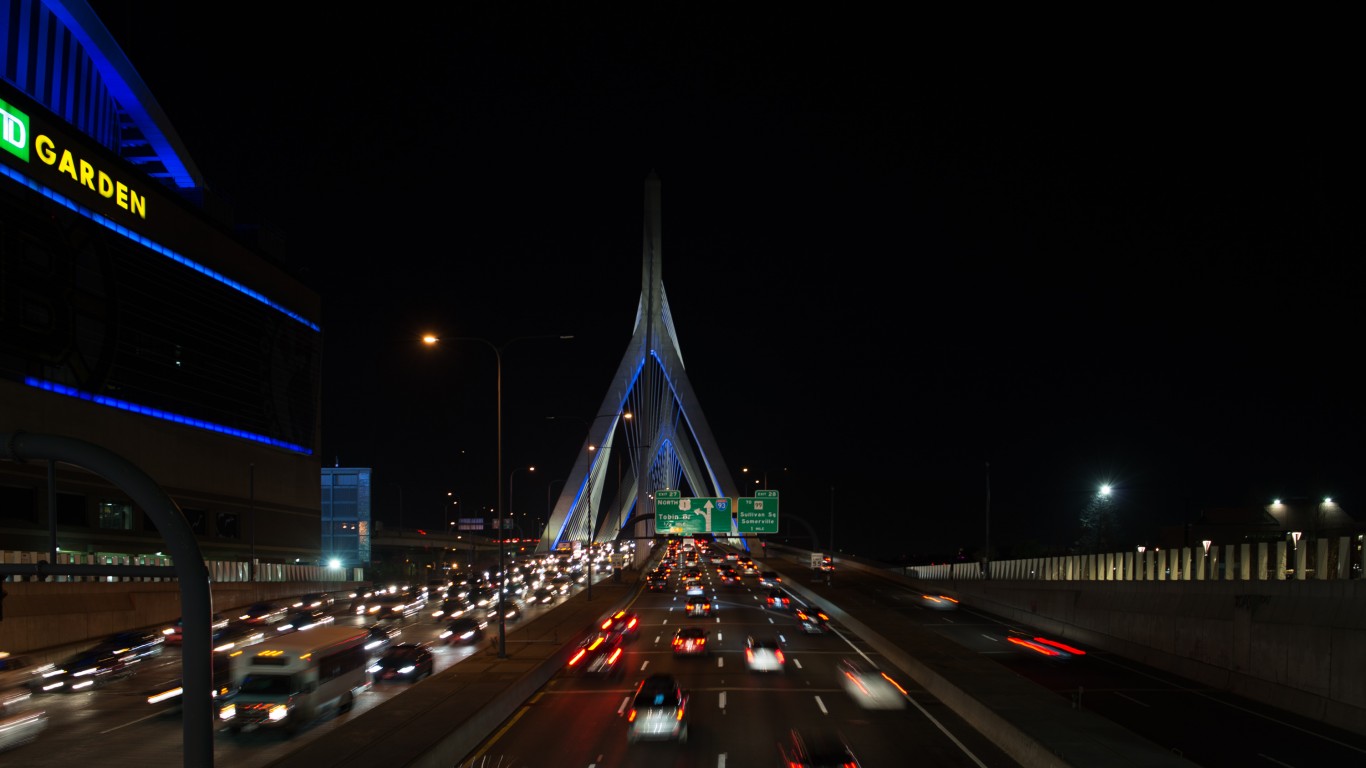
x: 71, y: 170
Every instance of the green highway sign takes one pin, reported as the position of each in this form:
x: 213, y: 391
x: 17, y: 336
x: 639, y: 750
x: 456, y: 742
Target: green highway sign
x: 674, y: 514
x: 758, y: 514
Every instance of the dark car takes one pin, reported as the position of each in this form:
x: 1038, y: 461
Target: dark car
x: 381, y: 637
x: 464, y: 631
x: 805, y: 749
x: 814, y: 621
x: 175, y: 634
x: 134, y: 645
x: 169, y: 695
x: 300, y: 620
x: 776, y: 599
x: 404, y: 662
x: 239, y: 634
x: 657, y: 583
x: 80, y: 671
x: 262, y: 613
x: 691, y: 641
x: 599, y: 656
x: 624, y: 624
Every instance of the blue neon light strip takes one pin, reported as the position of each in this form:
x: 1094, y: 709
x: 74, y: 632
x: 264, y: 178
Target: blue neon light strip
x: 124, y: 405
x: 154, y: 246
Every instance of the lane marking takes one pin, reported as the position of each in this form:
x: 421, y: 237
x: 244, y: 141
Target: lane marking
x: 821, y: 704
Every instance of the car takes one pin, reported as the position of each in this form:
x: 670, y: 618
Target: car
x: 403, y: 662
x: 778, y: 600
x: 19, y: 726
x: 297, y: 620
x: 731, y: 578
x: 764, y: 654
x: 813, y: 621
x: 381, y: 637
x: 599, y: 656
x: 769, y: 579
x: 263, y: 613
x: 238, y: 635
x: 658, y: 711
x: 321, y: 600
x: 827, y: 564
x: 938, y: 602
x: 691, y: 641
x: 15, y: 670
x: 656, y: 584
x: 698, y: 606
x: 870, y: 687
x: 695, y: 587
x: 624, y: 624
x: 134, y: 644
x: 175, y: 634
x: 816, y: 749
x: 465, y: 630
x: 169, y: 695
x: 543, y: 596
x: 452, y: 608
x: 1043, y: 646
x: 512, y: 610
x: 82, y: 670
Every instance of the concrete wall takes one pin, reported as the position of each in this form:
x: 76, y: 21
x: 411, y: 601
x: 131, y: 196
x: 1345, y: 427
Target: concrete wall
x: 1296, y: 645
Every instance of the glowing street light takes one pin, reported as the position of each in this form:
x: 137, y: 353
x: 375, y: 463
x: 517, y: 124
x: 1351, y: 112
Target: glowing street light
x: 432, y: 340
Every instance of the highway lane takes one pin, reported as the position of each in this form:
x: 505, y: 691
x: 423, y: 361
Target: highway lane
x: 736, y: 717
x: 1204, y: 726
x: 88, y: 728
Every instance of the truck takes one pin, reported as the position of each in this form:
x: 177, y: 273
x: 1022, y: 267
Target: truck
x: 291, y: 680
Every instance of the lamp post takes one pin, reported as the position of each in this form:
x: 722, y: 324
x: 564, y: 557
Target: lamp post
x: 432, y: 340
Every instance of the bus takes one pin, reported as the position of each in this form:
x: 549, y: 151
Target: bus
x: 288, y: 681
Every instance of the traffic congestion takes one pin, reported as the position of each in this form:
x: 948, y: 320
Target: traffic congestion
x: 123, y: 691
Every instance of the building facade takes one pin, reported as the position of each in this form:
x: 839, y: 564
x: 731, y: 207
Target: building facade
x: 346, y: 526
x: 134, y: 316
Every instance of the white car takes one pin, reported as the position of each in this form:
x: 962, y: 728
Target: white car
x: 870, y: 688
x: 764, y: 655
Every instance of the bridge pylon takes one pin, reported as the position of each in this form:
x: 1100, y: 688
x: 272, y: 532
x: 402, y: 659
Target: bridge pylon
x: 649, y: 432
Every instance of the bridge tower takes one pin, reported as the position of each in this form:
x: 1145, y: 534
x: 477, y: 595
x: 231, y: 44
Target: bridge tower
x: 649, y: 433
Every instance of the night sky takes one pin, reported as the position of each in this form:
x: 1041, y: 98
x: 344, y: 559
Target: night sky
x: 894, y: 253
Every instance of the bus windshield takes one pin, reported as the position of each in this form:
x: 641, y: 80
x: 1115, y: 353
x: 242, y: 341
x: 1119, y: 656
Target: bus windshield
x: 274, y: 685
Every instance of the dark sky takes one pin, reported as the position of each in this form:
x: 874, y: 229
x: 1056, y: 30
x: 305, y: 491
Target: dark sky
x: 894, y: 251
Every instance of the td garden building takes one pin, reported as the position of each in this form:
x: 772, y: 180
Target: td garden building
x: 134, y: 318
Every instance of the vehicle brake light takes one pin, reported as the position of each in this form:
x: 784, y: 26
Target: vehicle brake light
x: 779, y: 656
x: 578, y: 656
x: 615, y: 655
x: 631, y: 716
x: 1062, y: 646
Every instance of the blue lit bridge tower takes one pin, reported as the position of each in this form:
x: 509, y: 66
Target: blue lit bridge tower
x: 648, y: 434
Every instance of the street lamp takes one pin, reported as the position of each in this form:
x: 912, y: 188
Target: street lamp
x: 432, y: 340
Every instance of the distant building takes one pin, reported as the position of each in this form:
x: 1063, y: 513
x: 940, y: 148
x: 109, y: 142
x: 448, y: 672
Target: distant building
x: 346, y: 526
x: 1280, y: 520
x: 135, y: 317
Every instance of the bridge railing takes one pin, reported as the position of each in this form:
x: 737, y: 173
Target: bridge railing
x: 1313, y: 559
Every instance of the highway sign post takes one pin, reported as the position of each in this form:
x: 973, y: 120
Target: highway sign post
x: 758, y: 514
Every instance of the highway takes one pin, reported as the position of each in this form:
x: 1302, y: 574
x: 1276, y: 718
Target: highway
x: 89, y: 727
x: 737, y: 717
